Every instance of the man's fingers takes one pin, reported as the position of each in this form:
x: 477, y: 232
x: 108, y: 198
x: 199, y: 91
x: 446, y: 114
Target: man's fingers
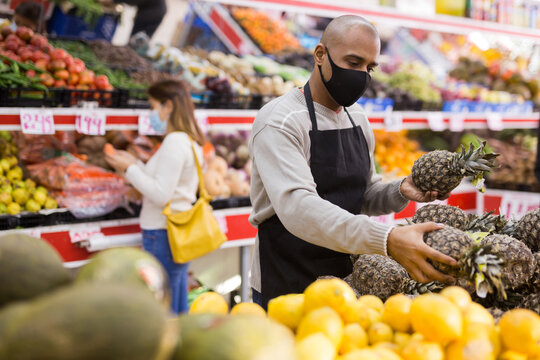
x: 437, y: 256
x: 429, y: 226
x: 432, y: 274
x: 418, y: 275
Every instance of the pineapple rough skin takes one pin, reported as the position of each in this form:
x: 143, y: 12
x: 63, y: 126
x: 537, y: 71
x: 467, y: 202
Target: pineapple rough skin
x: 442, y: 214
x: 527, y: 230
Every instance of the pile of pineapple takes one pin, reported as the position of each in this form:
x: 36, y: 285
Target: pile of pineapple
x: 498, y: 260
x: 16, y: 193
x: 329, y: 322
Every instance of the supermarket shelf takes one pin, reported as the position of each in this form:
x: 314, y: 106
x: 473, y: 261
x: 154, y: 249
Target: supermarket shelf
x: 122, y: 119
x: 389, y: 15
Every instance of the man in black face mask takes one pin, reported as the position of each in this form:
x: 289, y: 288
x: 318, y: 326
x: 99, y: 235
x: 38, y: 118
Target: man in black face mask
x: 313, y: 181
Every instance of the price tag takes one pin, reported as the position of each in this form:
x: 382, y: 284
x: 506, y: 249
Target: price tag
x: 222, y: 221
x: 393, y: 121
x: 145, y: 127
x: 81, y: 234
x: 91, y: 122
x: 515, y: 205
x: 38, y: 122
x: 202, y: 119
x: 494, y: 121
x: 457, y: 122
x: 436, y: 121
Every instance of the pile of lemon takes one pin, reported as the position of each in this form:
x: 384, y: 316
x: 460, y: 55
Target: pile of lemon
x: 330, y: 323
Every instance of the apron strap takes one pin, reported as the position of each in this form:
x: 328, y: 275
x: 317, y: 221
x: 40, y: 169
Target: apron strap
x: 350, y: 117
x: 310, y: 107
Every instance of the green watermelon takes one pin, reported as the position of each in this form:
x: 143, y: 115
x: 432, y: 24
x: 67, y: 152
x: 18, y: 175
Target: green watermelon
x: 220, y: 337
x: 88, y: 322
x: 29, y: 267
x: 127, y: 266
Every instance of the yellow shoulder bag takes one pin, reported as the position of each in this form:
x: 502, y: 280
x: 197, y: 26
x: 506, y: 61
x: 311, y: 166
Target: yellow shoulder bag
x: 195, y: 232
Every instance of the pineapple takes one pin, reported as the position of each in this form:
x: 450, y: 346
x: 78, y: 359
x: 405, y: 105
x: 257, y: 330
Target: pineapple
x: 444, y: 214
x: 383, y: 277
x: 489, y: 223
x: 535, y: 279
x: 527, y: 229
x: 474, y: 263
x: 518, y: 260
x: 496, y: 313
x: 442, y: 171
x: 531, y: 302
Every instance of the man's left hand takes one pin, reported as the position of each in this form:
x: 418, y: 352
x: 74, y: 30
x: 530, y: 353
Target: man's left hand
x: 412, y: 193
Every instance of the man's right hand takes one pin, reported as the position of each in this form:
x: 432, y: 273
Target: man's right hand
x: 406, y: 245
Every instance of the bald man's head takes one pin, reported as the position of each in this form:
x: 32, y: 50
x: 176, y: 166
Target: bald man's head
x: 338, y: 29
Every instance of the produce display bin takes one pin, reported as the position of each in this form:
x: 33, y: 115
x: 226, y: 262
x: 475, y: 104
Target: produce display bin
x: 69, y: 24
x: 25, y: 97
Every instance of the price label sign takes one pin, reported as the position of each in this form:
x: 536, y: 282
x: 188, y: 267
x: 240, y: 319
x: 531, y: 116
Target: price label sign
x: 457, y: 122
x: 202, y: 120
x: 145, y: 127
x: 436, y: 121
x: 494, y: 121
x: 37, y: 122
x: 91, y: 122
x: 81, y: 234
x: 393, y: 121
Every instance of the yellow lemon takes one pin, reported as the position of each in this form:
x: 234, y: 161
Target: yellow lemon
x: 315, y: 347
x: 362, y: 354
x: 334, y: 293
x: 417, y: 336
x: 325, y: 320
x: 209, y: 303
x: 380, y: 332
x: 372, y: 301
x: 287, y: 309
x: 477, y: 349
x: 396, y: 312
x: 476, y: 313
x: 520, y: 331
x: 512, y: 355
x: 422, y: 350
x: 356, y: 312
x: 386, y: 353
x: 354, y: 337
x: 374, y: 316
x: 248, y: 309
x: 386, y: 345
x: 458, y: 295
x: 436, y: 318
x: 401, y: 339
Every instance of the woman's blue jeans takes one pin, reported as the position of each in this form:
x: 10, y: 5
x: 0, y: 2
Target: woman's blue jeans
x: 156, y: 242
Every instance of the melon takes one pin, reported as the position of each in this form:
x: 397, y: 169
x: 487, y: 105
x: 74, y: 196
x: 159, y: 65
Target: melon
x: 221, y: 337
x: 127, y: 266
x: 29, y: 267
x: 88, y: 322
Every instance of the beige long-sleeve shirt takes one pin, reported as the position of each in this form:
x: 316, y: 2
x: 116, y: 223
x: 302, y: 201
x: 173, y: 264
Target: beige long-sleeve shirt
x: 282, y: 183
x: 169, y: 175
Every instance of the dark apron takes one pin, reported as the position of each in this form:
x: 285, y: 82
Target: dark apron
x: 340, y: 165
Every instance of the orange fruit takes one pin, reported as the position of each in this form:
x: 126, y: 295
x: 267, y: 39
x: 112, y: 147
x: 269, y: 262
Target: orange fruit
x: 209, y: 303
x: 436, y: 318
x: 287, y: 309
x: 396, y: 312
x: 248, y: 309
x: 325, y: 320
x: 334, y: 293
x: 520, y: 331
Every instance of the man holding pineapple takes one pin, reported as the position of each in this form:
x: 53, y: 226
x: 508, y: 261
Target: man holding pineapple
x: 314, y: 182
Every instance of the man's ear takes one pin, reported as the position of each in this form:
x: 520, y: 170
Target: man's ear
x: 319, y: 54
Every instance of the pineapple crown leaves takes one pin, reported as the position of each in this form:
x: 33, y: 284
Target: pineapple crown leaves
x: 473, y: 161
x: 414, y: 287
x: 485, y: 270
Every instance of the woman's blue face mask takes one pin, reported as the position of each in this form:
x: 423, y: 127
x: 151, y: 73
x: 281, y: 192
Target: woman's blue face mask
x: 157, y: 123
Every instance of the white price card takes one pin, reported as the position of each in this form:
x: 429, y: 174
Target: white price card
x: 37, y: 121
x: 145, y: 127
x: 393, y: 121
x: 202, y: 119
x: 494, y: 121
x: 91, y: 122
x: 436, y: 121
x: 515, y: 205
x: 457, y: 122
x: 83, y: 233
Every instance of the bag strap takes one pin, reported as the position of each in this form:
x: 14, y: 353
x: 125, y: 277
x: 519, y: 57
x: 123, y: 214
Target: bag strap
x: 202, y: 189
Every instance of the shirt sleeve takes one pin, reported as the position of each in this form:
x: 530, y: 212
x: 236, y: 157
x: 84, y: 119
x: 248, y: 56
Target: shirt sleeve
x: 287, y: 179
x: 159, y: 187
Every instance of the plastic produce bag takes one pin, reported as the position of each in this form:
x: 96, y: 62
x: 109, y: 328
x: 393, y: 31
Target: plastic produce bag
x: 87, y: 191
x: 39, y: 148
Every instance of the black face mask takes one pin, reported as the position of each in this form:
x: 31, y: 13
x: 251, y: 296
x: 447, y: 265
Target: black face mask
x: 345, y: 86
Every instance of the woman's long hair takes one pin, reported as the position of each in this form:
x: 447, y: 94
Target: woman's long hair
x: 183, y: 114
